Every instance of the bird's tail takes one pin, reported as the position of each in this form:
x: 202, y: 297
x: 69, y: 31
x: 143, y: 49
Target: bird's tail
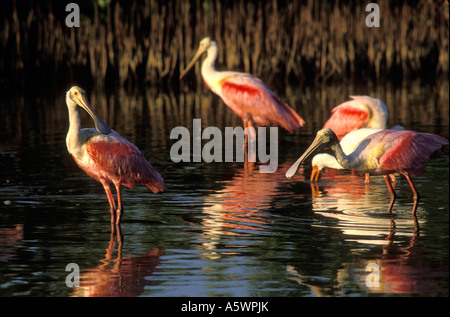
x: 290, y: 120
x: 439, y: 153
x: 293, y: 121
x: 155, y: 182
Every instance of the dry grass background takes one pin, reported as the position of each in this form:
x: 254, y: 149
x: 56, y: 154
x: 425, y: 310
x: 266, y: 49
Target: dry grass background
x: 148, y: 42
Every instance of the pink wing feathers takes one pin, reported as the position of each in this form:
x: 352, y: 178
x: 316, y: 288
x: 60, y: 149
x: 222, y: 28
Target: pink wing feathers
x: 408, y: 150
x: 121, y: 161
x: 249, y: 96
x: 346, y: 118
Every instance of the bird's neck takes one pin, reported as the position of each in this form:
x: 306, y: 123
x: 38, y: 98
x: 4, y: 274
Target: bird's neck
x: 74, y: 119
x: 346, y: 161
x: 208, y: 70
x: 211, y: 56
x: 74, y: 138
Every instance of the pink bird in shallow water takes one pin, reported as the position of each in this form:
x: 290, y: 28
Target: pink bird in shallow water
x: 105, y: 155
x: 245, y: 94
x: 382, y: 153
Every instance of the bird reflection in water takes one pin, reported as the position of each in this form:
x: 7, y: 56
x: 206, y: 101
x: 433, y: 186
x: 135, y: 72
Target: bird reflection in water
x: 387, y: 240
x: 402, y: 266
x: 406, y: 269
x: 354, y: 201
x: 123, y: 276
x: 240, y: 208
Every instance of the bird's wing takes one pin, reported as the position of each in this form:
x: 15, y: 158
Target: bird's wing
x: 249, y: 96
x: 408, y: 151
x: 347, y: 117
x: 351, y: 140
x: 117, y: 157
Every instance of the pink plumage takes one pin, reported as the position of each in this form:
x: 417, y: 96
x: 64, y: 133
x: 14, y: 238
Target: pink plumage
x: 360, y: 112
x: 346, y: 119
x: 407, y: 151
x: 381, y: 153
x: 245, y: 94
x: 122, y: 162
x: 252, y: 100
x: 112, y: 158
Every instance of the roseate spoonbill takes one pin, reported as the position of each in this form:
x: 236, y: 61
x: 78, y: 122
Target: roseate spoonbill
x: 349, y: 144
x: 245, y: 94
x: 361, y: 112
x: 105, y: 155
x: 381, y: 153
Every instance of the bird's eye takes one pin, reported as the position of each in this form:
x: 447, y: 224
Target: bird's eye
x: 75, y: 93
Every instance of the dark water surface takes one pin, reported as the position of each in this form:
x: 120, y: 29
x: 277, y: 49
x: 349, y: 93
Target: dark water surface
x: 219, y: 229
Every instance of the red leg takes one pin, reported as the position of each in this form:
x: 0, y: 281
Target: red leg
x: 111, y: 201
x: 415, y: 192
x: 119, y: 203
x: 393, y: 179
x: 391, y: 192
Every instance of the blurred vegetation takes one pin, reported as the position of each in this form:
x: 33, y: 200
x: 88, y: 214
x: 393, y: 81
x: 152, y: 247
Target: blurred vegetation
x: 147, y: 42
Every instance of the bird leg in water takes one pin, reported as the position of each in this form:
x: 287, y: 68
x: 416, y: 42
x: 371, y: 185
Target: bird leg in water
x: 111, y: 201
x: 415, y: 192
x: 119, y: 210
x: 391, y: 191
x: 116, y: 235
x: 391, y: 176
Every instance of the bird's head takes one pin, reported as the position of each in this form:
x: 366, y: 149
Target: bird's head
x: 77, y: 96
x: 324, y: 138
x: 205, y: 44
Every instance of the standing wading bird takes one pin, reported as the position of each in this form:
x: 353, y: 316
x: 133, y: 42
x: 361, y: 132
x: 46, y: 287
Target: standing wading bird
x: 382, y: 153
x: 348, y: 144
x: 105, y: 155
x: 245, y: 94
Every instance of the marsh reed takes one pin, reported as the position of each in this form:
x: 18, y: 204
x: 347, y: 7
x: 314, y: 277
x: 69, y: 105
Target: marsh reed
x: 148, y: 42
